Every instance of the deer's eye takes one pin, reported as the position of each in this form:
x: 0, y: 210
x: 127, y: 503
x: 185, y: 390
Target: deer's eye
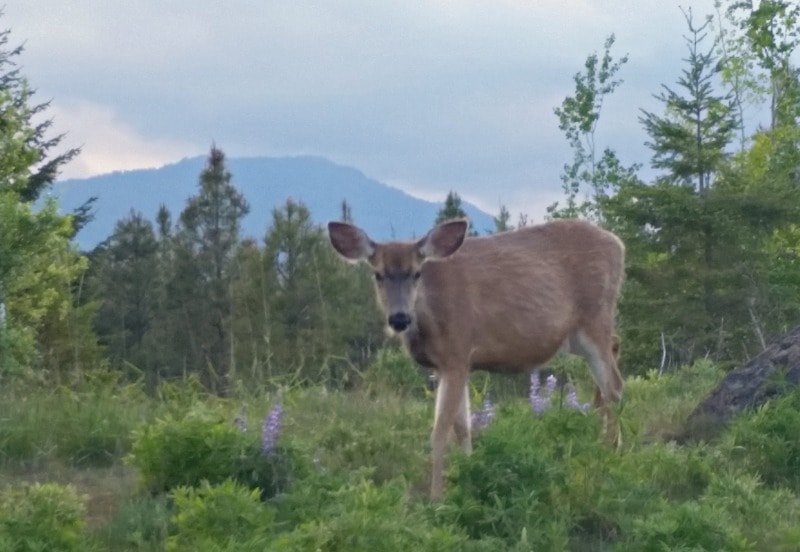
x: 378, y: 277
x: 417, y: 275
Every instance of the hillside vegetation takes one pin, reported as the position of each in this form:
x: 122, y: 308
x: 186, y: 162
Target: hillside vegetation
x: 182, y: 388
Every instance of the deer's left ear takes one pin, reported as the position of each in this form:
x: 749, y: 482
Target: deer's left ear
x: 444, y: 240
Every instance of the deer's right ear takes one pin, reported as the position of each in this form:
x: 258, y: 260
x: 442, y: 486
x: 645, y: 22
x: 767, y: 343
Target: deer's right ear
x: 351, y: 242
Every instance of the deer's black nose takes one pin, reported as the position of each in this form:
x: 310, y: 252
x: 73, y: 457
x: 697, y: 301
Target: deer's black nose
x: 399, y: 321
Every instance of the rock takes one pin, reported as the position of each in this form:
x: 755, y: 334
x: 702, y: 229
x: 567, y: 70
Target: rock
x: 775, y: 370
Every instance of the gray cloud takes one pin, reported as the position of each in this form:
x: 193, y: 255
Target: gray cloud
x: 430, y: 95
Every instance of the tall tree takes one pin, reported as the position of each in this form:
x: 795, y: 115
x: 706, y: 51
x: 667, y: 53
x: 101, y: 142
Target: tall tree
x: 591, y: 176
x: 695, y: 237
x: 452, y: 210
x: 38, y: 267
x: 206, y: 242
x: 43, y: 169
x: 127, y: 270
x: 690, y: 140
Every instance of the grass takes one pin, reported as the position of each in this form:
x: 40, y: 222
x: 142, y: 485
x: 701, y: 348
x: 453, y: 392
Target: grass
x: 357, y: 466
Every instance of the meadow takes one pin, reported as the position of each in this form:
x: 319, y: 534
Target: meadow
x: 102, y: 465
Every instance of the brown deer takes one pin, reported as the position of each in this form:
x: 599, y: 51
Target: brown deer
x: 505, y: 302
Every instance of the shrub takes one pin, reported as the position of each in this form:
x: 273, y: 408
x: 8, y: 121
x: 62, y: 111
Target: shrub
x: 174, y: 452
x: 140, y: 524
x: 204, y: 445
x: 392, y: 369
x: 41, y: 517
x: 516, y: 480
x: 766, y: 441
x: 84, y: 427
x: 228, y: 516
x: 689, y: 526
x: 359, y: 516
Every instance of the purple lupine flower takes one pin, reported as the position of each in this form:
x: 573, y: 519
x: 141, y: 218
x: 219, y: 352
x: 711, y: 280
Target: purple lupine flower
x: 481, y: 418
x: 572, y: 399
x: 550, y: 385
x: 271, y: 429
x: 538, y: 403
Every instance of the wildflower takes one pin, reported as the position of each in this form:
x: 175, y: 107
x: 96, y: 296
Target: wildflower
x: 271, y: 429
x: 550, y: 385
x: 481, y: 418
x: 538, y: 403
x: 572, y: 399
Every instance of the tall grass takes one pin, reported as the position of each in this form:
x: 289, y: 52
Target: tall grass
x: 349, y: 470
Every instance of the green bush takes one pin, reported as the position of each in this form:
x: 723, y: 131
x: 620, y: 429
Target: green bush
x: 517, y: 479
x: 769, y: 518
x: 205, y: 445
x: 228, y: 516
x: 359, y: 516
x: 686, y: 526
x: 766, y: 441
x: 392, y: 369
x: 174, y: 452
x: 90, y: 426
x: 41, y: 517
x: 140, y: 524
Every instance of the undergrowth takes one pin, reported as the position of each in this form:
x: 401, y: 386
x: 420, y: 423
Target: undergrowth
x: 349, y: 471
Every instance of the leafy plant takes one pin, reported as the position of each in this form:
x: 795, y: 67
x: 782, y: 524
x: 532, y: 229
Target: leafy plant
x: 227, y: 516
x: 766, y: 441
x: 41, y: 517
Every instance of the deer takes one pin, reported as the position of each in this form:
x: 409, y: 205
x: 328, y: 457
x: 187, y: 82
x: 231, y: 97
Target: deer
x: 506, y: 302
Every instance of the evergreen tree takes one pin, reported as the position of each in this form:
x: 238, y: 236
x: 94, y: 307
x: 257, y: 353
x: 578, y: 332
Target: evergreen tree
x: 501, y: 221
x: 696, y: 238
x: 205, y: 245
x: 690, y: 140
x: 127, y: 268
x: 38, y: 267
x: 452, y: 210
x: 43, y: 169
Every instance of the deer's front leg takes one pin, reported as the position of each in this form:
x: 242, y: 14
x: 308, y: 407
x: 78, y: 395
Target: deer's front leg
x: 450, y: 404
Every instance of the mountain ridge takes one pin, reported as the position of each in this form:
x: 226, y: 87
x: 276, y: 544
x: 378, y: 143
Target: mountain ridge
x: 385, y: 212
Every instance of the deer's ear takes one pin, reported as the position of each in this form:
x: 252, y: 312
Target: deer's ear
x: 351, y: 242
x: 444, y: 240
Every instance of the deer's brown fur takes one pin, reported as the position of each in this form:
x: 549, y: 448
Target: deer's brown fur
x: 505, y: 302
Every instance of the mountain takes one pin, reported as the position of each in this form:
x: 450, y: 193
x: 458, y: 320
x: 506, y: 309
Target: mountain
x: 267, y: 182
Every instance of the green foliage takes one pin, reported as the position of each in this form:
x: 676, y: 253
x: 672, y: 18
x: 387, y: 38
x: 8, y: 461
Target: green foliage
x: 303, y: 315
x: 516, y: 478
x: 226, y: 516
x: 360, y: 516
x: 766, y: 441
x: 591, y: 173
x: 687, y: 526
x: 183, y: 451
x: 452, y: 210
x: 126, y: 271
x: 203, y: 444
x: 88, y: 426
x: 140, y: 524
x: 41, y: 517
x: 385, y: 434
x: 392, y: 369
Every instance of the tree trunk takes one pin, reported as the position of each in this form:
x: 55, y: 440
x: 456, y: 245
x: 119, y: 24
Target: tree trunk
x: 768, y: 375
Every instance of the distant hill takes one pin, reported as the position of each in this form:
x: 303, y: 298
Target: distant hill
x: 267, y: 182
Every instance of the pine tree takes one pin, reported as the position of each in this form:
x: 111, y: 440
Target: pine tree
x: 452, y: 210
x: 205, y: 246
x: 44, y: 167
x: 127, y: 273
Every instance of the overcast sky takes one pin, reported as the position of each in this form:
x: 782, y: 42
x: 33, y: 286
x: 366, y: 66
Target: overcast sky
x: 424, y: 95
